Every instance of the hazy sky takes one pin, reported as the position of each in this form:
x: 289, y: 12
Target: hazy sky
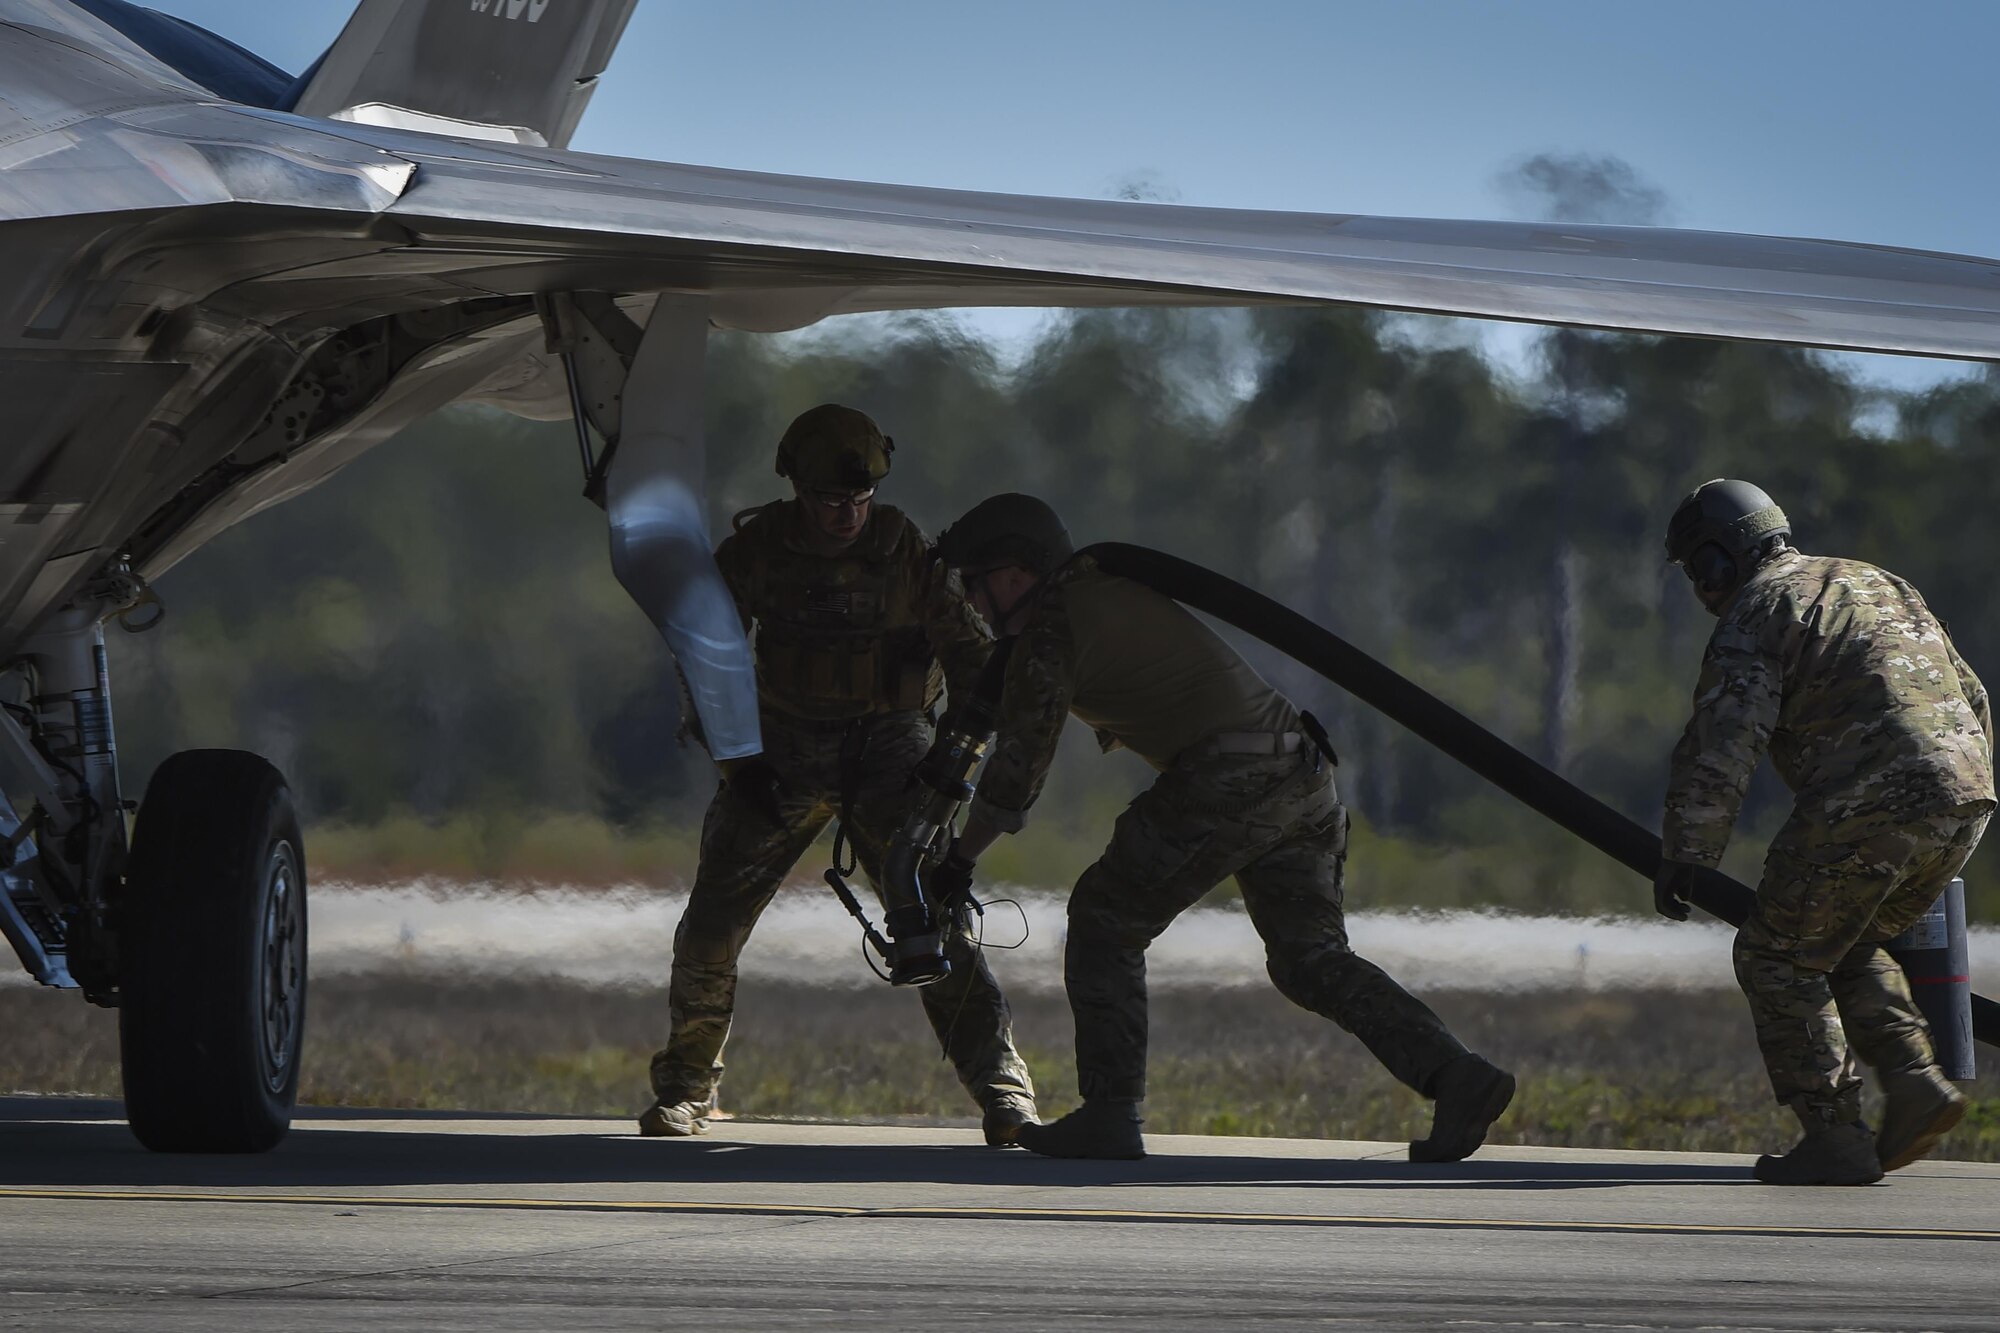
x: 1835, y: 118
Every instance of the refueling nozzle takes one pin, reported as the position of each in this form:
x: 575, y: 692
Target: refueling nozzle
x: 916, y: 922
x: 916, y: 947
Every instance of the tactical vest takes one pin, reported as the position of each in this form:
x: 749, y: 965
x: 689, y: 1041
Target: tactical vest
x: 836, y: 635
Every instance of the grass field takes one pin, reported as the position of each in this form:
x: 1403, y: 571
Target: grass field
x: 1669, y: 1070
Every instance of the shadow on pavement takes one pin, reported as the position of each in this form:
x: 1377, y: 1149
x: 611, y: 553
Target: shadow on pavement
x: 48, y: 1141
x: 18, y: 1108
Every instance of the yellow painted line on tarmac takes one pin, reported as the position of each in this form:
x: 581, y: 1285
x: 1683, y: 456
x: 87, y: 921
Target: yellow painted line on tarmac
x: 999, y: 1214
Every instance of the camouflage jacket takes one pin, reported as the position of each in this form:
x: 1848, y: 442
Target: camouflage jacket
x: 863, y: 631
x: 1842, y: 672
x: 1133, y: 665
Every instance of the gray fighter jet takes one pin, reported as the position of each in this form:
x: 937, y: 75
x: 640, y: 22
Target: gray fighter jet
x: 223, y: 282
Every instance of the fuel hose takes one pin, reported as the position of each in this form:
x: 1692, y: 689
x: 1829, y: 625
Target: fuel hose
x: 1541, y: 789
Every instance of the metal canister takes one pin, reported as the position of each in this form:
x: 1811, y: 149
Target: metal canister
x: 1937, y: 959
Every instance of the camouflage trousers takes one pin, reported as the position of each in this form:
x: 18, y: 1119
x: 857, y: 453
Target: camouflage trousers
x: 1276, y: 824
x: 1822, y: 989
x: 745, y: 854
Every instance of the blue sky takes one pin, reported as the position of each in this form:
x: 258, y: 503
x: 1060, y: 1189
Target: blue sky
x: 1858, y: 121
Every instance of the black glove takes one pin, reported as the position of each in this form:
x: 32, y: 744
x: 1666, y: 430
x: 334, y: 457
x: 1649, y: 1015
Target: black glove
x: 756, y: 784
x: 1671, y: 888
x: 950, y: 881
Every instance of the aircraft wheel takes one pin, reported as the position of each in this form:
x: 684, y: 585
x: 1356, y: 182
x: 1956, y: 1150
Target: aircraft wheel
x: 212, y: 934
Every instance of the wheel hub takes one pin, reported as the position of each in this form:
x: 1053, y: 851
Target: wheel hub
x: 284, y: 964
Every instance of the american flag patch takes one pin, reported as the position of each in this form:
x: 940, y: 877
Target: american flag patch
x: 830, y: 601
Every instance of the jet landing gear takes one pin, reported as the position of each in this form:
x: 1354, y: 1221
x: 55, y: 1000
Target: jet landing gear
x: 212, y: 927
x: 197, y: 934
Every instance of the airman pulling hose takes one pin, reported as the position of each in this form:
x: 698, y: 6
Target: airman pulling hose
x: 1382, y: 689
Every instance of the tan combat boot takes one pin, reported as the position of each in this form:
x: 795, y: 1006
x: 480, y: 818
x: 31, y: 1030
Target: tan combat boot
x: 1106, y: 1128
x: 1471, y: 1093
x: 1005, y: 1115
x: 676, y: 1119
x: 1835, y: 1155
x: 1918, y: 1109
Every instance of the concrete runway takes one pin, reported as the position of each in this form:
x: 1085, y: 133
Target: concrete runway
x: 441, y: 1222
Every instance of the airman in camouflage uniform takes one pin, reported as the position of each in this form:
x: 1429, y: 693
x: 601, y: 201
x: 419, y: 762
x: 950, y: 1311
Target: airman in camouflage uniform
x: 1881, y: 731
x: 856, y: 631
x: 1244, y: 790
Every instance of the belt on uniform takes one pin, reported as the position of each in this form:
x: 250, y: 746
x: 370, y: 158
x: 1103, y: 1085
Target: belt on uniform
x: 1250, y: 742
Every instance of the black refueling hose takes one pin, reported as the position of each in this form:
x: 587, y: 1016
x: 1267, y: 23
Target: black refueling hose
x: 1541, y: 789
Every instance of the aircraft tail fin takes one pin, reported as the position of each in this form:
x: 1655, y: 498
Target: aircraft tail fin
x: 519, y: 71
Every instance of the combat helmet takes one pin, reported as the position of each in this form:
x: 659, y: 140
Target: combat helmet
x: 1722, y: 531
x: 1010, y: 529
x: 834, y: 448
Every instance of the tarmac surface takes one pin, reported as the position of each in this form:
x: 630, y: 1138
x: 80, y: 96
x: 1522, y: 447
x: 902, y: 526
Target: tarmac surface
x: 436, y: 1222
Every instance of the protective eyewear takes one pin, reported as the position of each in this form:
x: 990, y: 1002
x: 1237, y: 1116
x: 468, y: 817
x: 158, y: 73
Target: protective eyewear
x: 842, y: 499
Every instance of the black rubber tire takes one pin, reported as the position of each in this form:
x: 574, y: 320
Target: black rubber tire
x: 212, y: 941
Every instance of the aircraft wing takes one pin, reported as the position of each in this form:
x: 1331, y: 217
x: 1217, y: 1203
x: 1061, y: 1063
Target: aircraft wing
x: 782, y: 251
